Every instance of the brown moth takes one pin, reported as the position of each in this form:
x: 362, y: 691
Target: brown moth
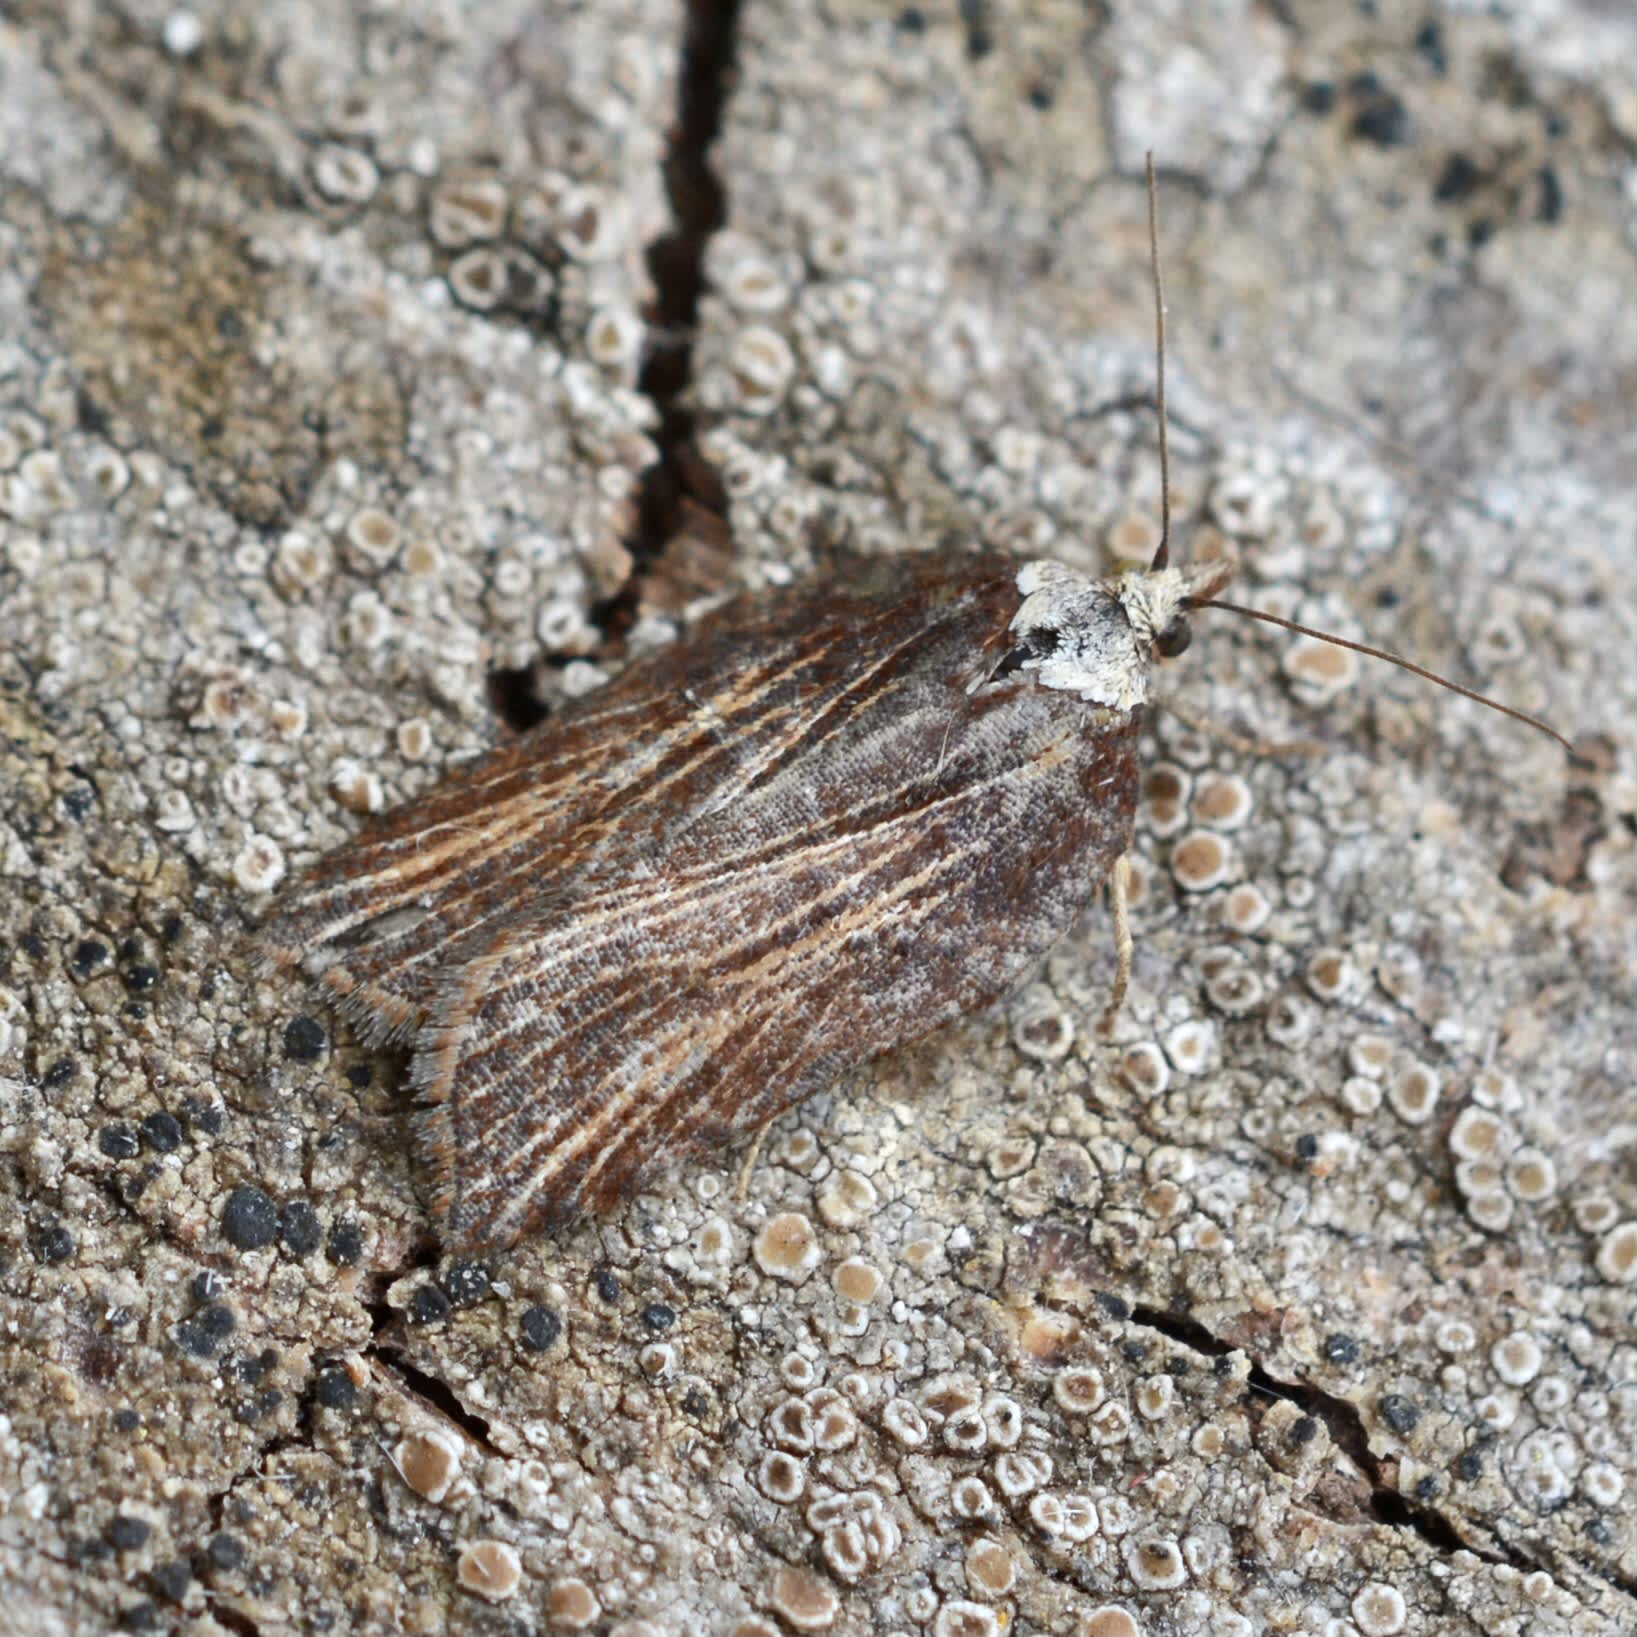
x: 827, y: 822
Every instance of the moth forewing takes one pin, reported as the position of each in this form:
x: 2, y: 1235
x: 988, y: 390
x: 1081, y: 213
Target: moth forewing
x: 377, y: 920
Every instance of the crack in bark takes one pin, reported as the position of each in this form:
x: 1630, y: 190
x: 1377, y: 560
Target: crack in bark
x: 235, y: 1619
x: 676, y: 265
x: 676, y: 261
x: 1347, y: 1431
x: 435, y: 1394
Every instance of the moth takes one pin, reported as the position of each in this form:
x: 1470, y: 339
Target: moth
x: 832, y: 819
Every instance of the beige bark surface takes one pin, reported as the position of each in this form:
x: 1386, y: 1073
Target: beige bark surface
x: 1309, y: 1302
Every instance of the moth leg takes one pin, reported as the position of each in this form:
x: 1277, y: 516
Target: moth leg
x: 1119, y: 884
x: 741, y: 1190
x: 1246, y: 744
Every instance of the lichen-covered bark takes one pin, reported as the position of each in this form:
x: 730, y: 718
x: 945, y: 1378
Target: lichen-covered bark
x: 1307, y: 1303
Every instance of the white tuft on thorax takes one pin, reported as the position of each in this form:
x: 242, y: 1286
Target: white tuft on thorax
x: 1095, y: 637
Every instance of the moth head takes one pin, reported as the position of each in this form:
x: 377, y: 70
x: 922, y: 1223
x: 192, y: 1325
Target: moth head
x: 1098, y: 638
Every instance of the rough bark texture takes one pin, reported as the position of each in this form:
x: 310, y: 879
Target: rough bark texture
x: 327, y: 442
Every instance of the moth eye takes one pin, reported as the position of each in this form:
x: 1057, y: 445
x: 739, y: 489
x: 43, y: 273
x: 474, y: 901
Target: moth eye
x: 1174, y: 639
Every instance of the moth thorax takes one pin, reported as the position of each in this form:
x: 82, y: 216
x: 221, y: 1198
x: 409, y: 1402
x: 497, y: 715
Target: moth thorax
x: 1095, y: 637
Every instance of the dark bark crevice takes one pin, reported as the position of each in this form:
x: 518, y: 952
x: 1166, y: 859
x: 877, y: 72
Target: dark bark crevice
x: 1342, y: 1420
x: 676, y: 261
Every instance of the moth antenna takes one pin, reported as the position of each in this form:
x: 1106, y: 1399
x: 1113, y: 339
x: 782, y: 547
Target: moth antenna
x: 1391, y: 659
x: 1162, y: 555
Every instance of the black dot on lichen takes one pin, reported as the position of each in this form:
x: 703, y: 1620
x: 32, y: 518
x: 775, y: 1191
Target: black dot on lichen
x: 59, y: 1074
x: 1340, y: 1348
x: 250, y: 1220
x: 304, y: 1039
x: 118, y: 1142
x: 539, y: 1328
x: 127, y: 1419
x: 253, y: 1409
x: 162, y: 1132
x: 1303, y: 1431
x: 1384, y: 122
x: 202, y: 1116
x: 1550, y: 208
x: 1459, y: 178
x: 1429, y: 41
x: 172, y: 1579
x: 128, y: 1534
x: 428, y: 1305
x: 1319, y: 97
x: 360, y: 1075
x: 207, y: 1285
x: 1307, y: 1148
x: 466, y: 1283
x: 695, y: 1402
x: 142, y: 977
x: 345, y: 1244
x: 1427, y: 1488
x: 225, y: 1551
x: 1116, y: 1307
x: 656, y: 1316
x: 251, y: 1368
x: 299, y: 1228
x: 333, y: 1389
x: 139, y: 1617
x: 89, y: 954
x: 78, y: 800
x: 1400, y: 1413
x: 606, y: 1286
x: 51, y: 1243
x: 205, y: 1331
x: 1470, y: 1467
